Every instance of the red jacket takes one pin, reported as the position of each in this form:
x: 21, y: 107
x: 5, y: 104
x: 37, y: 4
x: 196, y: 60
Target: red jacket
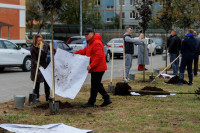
x: 95, y: 50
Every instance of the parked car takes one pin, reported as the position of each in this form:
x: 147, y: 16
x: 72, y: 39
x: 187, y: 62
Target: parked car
x: 12, y: 55
x: 159, y: 44
x: 59, y: 44
x: 29, y: 42
x: 78, y: 44
x: 118, y: 47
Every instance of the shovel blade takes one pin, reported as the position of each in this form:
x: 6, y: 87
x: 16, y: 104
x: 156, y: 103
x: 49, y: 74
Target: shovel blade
x: 32, y: 98
x: 110, y: 89
x: 54, y: 107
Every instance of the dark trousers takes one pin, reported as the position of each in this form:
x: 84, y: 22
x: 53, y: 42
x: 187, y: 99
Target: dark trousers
x: 184, y: 63
x: 46, y: 88
x: 97, y: 86
x: 196, y: 60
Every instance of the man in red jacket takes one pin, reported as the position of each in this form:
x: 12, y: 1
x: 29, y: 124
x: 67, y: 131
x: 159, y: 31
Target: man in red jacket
x: 97, y: 67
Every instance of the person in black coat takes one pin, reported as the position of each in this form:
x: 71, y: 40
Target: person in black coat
x: 197, y: 53
x: 188, y: 49
x: 174, y: 45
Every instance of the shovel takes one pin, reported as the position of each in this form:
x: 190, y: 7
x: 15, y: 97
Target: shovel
x: 53, y: 105
x: 166, y: 68
x: 110, y: 86
x: 124, y: 61
x: 33, y: 96
x: 151, y: 77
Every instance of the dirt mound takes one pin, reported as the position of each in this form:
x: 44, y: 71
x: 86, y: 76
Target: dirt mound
x: 149, y: 88
x: 175, y: 80
x: 61, y: 105
x: 122, y: 89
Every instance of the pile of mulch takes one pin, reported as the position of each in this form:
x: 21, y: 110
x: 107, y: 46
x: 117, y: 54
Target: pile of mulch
x: 148, y: 90
x: 61, y: 105
x: 3, y: 130
x: 175, y: 80
x: 122, y: 89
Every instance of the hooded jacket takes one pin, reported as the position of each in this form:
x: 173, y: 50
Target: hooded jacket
x: 95, y: 50
x: 188, y: 47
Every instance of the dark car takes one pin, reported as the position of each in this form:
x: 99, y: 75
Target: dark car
x: 159, y: 44
x: 59, y: 44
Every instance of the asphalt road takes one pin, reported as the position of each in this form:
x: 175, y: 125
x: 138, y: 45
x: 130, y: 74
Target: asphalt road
x: 13, y: 81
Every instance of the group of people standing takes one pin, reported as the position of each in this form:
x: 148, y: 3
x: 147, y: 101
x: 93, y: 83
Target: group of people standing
x: 189, y: 48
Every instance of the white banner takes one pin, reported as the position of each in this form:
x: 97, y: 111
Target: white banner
x: 70, y: 73
x: 51, y: 128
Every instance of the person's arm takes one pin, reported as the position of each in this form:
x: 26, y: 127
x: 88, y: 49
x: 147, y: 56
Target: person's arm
x: 34, y: 57
x: 182, y: 47
x: 81, y: 51
x: 134, y: 40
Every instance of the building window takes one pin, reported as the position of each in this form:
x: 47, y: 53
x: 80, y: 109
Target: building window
x: 132, y: 2
x: 110, y: 6
x: 123, y: 14
x: 132, y: 14
x: 109, y: 19
x: 98, y: 2
x: 122, y: 1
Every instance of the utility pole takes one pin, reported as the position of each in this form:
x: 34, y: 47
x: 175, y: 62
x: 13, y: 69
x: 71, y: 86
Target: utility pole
x: 120, y: 21
x: 81, y: 18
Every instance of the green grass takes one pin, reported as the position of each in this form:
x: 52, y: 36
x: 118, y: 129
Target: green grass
x: 127, y: 114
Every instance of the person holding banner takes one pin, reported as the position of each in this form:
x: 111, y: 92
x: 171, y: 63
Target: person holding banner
x: 97, y: 67
x: 43, y: 63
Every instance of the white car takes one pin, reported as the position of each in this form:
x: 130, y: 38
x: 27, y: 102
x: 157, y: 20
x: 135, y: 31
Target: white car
x: 118, y: 47
x: 150, y: 42
x: 12, y: 55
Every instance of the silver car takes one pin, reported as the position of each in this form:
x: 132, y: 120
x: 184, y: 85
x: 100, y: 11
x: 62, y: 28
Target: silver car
x: 78, y: 44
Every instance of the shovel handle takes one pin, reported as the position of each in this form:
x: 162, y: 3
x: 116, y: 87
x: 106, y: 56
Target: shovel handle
x: 112, y: 62
x: 38, y: 62
x: 124, y: 59
x: 168, y: 66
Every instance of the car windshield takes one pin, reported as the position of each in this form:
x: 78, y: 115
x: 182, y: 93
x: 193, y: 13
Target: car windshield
x: 157, y: 40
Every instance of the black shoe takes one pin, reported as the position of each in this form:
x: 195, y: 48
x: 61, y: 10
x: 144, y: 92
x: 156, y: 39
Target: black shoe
x: 87, y: 105
x: 106, y: 102
x: 190, y: 83
x: 37, y: 100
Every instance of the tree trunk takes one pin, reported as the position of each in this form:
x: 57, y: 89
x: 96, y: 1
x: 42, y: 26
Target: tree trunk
x: 144, y: 58
x: 166, y: 49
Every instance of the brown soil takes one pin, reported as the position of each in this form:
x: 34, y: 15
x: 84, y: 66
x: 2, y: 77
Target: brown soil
x: 175, y: 80
x: 122, y: 89
x: 61, y: 105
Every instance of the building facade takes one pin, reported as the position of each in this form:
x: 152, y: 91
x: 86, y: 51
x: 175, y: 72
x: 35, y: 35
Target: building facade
x: 13, y: 19
x: 130, y: 17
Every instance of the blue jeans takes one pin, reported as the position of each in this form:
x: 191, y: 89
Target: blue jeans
x: 175, y: 65
x: 184, y: 63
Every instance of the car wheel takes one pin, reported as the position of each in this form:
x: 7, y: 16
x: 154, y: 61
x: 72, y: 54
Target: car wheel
x: 108, y: 57
x: 27, y: 64
x: 1, y: 69
x: 23, y: 45
x: 154, y: 52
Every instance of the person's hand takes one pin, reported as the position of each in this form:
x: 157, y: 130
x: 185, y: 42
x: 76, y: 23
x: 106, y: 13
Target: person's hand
x: 88, y: 67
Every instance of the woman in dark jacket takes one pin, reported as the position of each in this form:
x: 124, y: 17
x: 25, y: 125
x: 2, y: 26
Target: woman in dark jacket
x: 43, y: 63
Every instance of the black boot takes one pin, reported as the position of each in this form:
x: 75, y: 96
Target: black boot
x: 87, y: 105
x: 106, y: 102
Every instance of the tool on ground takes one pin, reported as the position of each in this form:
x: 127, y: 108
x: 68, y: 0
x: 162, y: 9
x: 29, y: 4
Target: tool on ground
x: 151, y: 77
x: 33, y: 96
x: 110, y: 86
x: 166, y: 68
x: 146, y: 92
x: 53, y: 105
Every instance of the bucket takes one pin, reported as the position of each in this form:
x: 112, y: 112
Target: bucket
x: 132, y: 76
x: 19, y: 101
x: 151, y: 77
x: 164, y: 57
x: 156, y: 71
